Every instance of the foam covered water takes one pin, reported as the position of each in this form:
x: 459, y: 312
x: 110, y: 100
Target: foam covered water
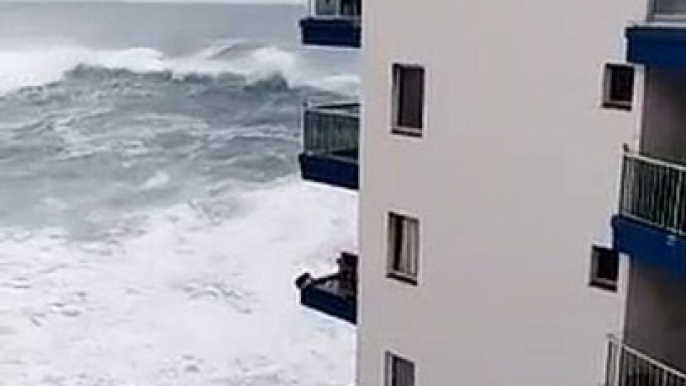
x: 183, y: 297
x: 151, y: 217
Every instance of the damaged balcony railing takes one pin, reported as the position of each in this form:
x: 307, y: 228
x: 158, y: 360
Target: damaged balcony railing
x: 627, y: 366
x: 332, y: 130
x: 665, y: 10
x: 336, y: 294
x: 654, y: 192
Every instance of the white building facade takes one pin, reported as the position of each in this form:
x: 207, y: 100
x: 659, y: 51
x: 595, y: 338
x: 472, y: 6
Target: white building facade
x: 520, y: 179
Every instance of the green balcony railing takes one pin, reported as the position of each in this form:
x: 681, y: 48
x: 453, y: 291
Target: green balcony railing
x: 332, y: 130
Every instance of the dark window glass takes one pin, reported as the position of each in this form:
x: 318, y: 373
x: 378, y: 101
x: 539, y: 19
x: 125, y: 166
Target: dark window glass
x: 604, y: 268
x: 409, y: 99
x: 400, y: 371
x: 619, y: 86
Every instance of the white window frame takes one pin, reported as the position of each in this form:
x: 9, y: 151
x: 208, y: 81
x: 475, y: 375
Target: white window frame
x: 601, y: 282
x: 607, y: 101
x: 411, y: 248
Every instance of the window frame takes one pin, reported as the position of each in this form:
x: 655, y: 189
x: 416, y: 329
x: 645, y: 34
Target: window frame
x: 390, y: 359
x: 595, y: 279
x: 396, y: 224
x: 397, y: 69
x: 608, y: 76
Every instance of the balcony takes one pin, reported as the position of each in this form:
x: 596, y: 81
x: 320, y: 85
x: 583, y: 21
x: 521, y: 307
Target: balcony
x: 335, y: 23
x: 651, y: 224
x: 627, y: 366
x: 661, y: 42
x: 668, y: 10
x: 334, y: 295
x: 331, y: 142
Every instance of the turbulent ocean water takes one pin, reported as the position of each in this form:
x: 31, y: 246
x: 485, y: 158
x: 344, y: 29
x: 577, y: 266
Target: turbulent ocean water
x: 151, y: 216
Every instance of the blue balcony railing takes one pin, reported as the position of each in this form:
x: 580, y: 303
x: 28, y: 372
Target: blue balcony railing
x: 331, y: 135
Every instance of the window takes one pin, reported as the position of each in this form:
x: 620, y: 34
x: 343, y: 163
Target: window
x: 403, y: 248
x: 618, y: 89
x: 399, y: 371
x: 604, y: 268
x: 408, y: 99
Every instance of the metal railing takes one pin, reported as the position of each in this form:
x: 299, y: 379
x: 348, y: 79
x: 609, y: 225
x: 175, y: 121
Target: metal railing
x: 335, y: 9
x: 654, y: 192
x: 627, y: 366
x: 666, y: 10
x: 332, y: 129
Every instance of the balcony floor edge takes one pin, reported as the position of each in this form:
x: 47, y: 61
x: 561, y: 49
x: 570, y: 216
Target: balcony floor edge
x: 650, y: 245
x: 331, y: 32
x: 330, y: 171
x: 662, y: 46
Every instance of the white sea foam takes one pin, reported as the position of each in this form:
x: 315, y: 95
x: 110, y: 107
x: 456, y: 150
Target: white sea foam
x: 184, y: 301
x: 158, y: 180
x: 23, y: 68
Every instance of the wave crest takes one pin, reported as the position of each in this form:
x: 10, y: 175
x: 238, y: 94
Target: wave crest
x: 31, y: 68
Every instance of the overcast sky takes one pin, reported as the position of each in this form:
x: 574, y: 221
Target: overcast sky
x: 165, y: 1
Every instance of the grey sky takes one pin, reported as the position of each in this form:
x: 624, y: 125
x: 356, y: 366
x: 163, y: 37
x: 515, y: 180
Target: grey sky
x: 166, y: 1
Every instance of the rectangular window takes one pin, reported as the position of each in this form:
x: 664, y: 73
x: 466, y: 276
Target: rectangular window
x: 399, y: 371
x: 408, y: 99
x: 604, y: 268
x: 403, y: 248
x: 618, y: 88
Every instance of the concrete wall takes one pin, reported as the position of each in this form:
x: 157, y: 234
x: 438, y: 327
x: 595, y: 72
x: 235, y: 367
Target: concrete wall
x: 664, y: 117
x: 515, y: 178
x: 656, y: 316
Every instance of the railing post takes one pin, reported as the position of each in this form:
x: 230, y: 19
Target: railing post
x: 623, y: 184
x: 619, y: 353
x: 339, y: 10
x: 614, y: 361
x: 311, y: 8
x: 305, y: 126
x: 678, y: 226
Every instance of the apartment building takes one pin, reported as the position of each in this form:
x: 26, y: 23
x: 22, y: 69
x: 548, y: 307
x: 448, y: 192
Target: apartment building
x: 522, y: 179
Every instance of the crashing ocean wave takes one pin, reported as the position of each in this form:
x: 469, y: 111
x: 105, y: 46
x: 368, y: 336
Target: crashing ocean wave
x: 253, y: 61
x: 151, y: 213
